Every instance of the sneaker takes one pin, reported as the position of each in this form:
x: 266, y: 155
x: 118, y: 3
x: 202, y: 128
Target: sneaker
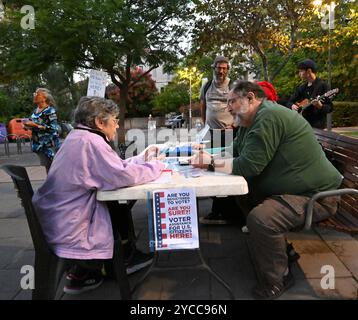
x: 137, y: 261
x: 214, y: 218
x: 273, y: 291
x: 89, y: 281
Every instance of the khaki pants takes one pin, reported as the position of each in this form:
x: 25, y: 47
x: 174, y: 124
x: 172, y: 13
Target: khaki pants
x: 270, y: 220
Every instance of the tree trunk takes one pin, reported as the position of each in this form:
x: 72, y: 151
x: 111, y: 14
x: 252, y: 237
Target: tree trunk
x: 263, y: 58
x: 122, y: 114
x: 123, y: 98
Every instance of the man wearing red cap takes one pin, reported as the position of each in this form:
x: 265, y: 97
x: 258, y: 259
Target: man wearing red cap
x: 269, y: 90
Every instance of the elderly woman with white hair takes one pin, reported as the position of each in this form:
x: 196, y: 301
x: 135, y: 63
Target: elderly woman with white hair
x: 76, y: 225
x: 43, y: 123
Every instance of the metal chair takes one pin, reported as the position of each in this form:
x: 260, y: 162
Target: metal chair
x: 5, y: 140
x: 21, y: 140
x: 49, y: 268
x: 14, y: 137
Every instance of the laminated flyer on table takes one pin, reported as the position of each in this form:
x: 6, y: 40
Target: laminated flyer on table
x: 175, y: 219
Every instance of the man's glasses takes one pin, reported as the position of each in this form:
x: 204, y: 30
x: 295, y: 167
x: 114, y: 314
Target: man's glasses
x: 221, y: 68
x: 231, y: 101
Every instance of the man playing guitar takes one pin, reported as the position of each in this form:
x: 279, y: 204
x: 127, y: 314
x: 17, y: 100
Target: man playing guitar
x: 316, y: 112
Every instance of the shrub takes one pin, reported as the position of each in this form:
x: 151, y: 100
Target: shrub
x: 345, y: 114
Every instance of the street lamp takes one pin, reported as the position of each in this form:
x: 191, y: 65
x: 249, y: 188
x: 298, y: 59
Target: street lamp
x: 330, y: 26
x: 332, y: 6
x: 191, y: 70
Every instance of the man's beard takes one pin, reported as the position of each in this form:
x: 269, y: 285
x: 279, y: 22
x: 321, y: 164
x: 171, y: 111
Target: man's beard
x: 240, y: 116
x: 218, y: 78
x: 237, y: 120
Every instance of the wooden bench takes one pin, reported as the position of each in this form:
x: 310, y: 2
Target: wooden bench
x: 342, y: 151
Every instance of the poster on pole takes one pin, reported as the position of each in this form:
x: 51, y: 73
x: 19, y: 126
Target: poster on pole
x: 97, y: 83
x: 175, y: 219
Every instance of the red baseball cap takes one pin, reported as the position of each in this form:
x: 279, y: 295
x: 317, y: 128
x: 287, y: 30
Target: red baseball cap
x: 269, y: 89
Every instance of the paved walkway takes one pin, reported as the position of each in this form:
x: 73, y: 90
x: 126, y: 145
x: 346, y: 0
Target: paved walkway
x: 345, y: 129
x: 225, y: 248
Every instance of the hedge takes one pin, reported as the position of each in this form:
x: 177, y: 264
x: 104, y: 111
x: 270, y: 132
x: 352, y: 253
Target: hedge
x: 345, y: 114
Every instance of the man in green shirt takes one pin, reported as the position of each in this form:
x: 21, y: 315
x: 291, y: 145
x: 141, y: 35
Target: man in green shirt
x: 276, y: 151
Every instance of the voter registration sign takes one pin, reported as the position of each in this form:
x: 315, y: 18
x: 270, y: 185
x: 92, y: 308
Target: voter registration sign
x: 96, y: 83
x: 175, y: 219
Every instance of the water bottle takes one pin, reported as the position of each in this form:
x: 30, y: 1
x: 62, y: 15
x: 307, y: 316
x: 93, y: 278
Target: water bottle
x: 151, y: 123
x: 182, y: 151
x: 198, y: 127
x: 152, y: 126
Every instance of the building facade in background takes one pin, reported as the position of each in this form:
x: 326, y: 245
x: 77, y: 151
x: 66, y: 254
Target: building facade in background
x: 161, y: 78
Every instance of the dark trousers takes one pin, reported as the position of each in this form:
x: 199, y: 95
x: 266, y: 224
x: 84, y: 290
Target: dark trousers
x: 225, y: 206
x: 229, y: 209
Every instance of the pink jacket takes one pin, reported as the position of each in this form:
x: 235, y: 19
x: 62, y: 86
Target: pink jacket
x: 76, y: 225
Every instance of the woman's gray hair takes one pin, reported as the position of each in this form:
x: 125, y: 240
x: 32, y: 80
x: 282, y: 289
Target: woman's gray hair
x: 49, y: 98
x: 89, y: 108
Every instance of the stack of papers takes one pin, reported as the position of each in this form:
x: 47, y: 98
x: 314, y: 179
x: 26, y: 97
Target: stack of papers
x: 164, y: 178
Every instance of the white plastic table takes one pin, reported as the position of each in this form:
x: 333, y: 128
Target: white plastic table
x: 210, y: 184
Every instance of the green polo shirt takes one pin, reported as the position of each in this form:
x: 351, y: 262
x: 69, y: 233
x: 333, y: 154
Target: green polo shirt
x: 279, y: 154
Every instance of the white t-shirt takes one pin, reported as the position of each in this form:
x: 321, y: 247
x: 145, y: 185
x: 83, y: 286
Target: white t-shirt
x: 217, y: 115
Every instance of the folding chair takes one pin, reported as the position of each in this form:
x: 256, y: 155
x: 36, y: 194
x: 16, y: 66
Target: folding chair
x: 49, y: 268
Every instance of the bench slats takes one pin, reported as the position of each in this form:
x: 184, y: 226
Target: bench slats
x: 349, y: 184
x: 350, y: 220
x: 327, y: 135
x: 342, y: 151
x: 342, y: 221
x: 337, y: 145
x: 347, y: 207
x: 351, y: 200
x: 336, y: 225
x: 346, y: 218
x: 345, y: 159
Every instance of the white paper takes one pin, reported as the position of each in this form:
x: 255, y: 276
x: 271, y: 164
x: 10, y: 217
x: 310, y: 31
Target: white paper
x: 164, y: 178
x: 97, y: 83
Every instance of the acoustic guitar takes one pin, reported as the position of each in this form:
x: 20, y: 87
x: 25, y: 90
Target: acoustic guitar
x: 306, y: 103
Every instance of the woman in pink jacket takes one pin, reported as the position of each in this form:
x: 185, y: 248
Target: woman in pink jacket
x: 76, y: 225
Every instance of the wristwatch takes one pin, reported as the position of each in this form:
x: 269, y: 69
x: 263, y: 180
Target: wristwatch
x: 211, y: 166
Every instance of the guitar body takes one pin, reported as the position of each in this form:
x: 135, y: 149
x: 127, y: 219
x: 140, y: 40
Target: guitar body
x: 302, y: 105
x: 305, y: 104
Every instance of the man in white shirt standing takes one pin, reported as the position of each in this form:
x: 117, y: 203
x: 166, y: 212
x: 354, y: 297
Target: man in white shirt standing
x: 213, y: 100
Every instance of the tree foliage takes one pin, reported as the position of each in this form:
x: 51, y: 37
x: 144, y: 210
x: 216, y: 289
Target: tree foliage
x: 16, y: 98
x: 244, y: 27
x: 140, y: 95
x: 344, y: 48
x: 177, y: 93
x: 112, y: 35
x: 269, y: 38
x: 172, y: 97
